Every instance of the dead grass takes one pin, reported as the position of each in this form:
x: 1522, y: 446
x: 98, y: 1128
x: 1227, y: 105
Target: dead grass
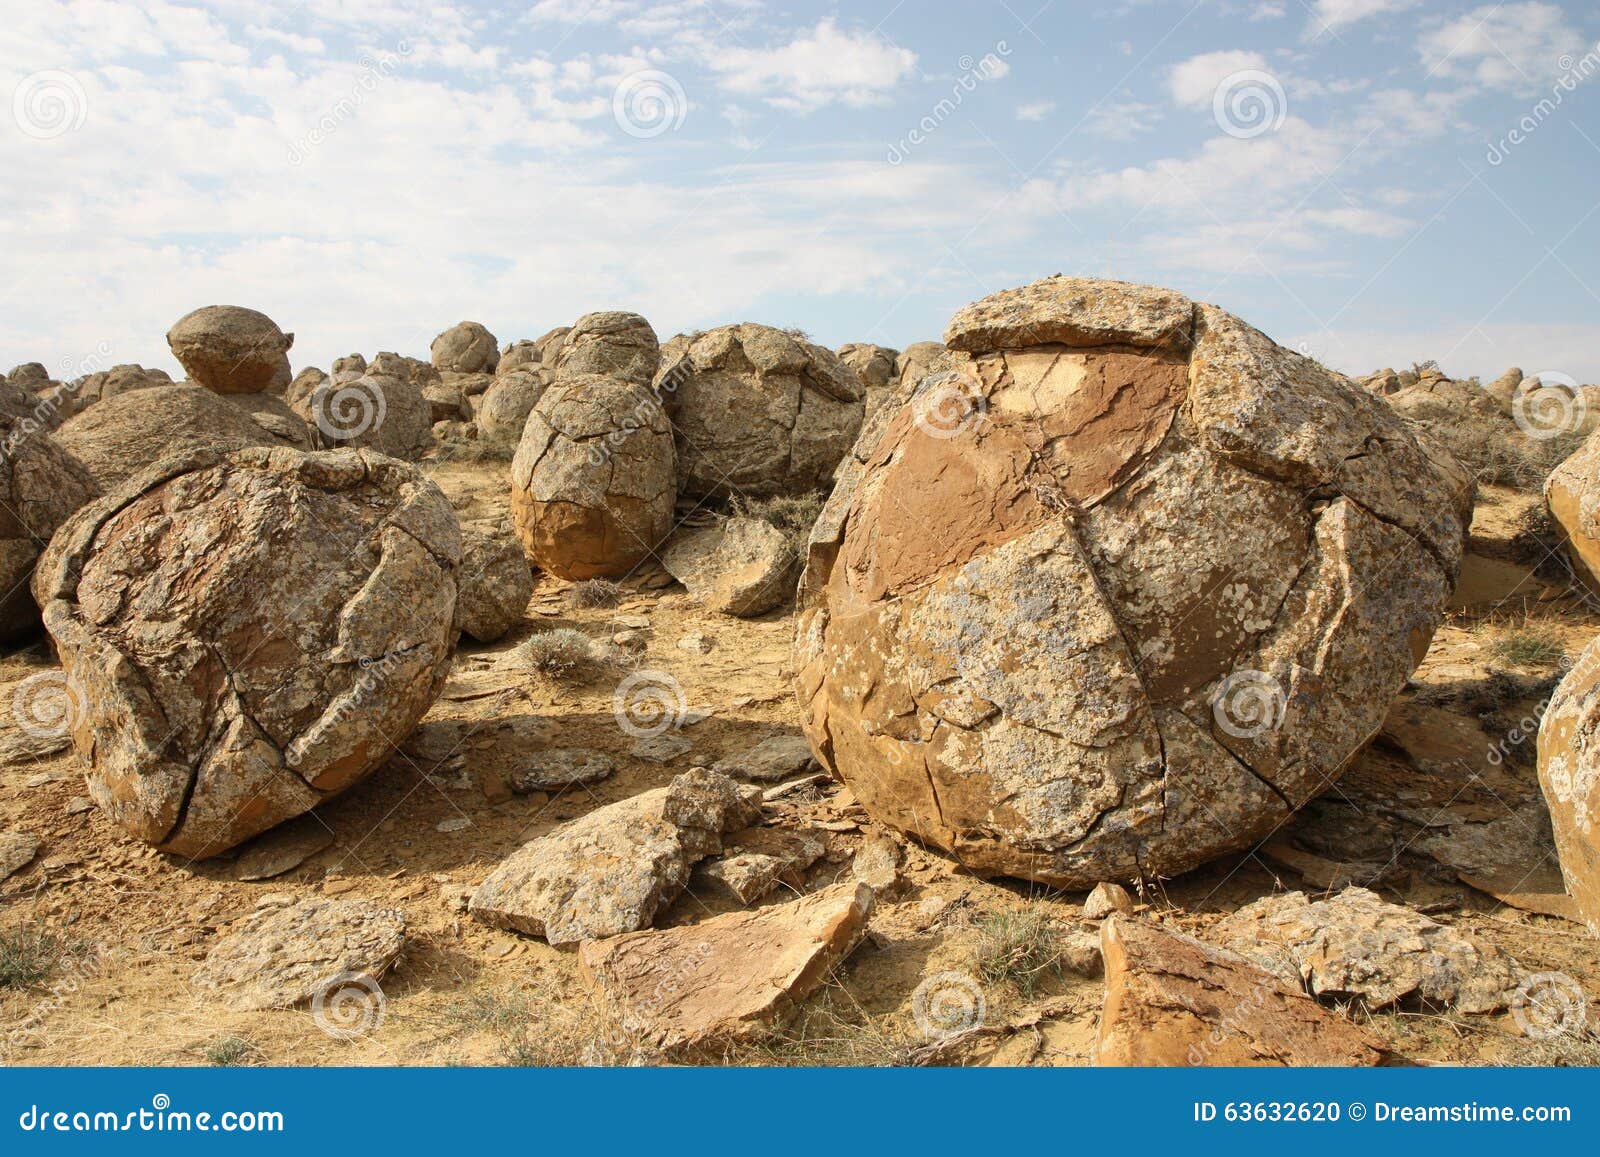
x: 1017, y: 947
x: 1497, y: 452
x: 29, y: 956
x: 832, y: 1032
x: 229, y: 1051
x: 795, y: 515
x: 475, y: 449
x: 597, y: 592
x: 563, y: 655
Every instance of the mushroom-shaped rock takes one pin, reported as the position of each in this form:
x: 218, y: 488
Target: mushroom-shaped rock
x: 230, y: 349
x: 1105, y: 607
x: 41, y: 485
x: 593, y: 481
x: 120, y: 436
x: 496, y: 583
x: 1569, y: 774
x: 387, y: 414
x: 248, y: 633
x: 613, y: 343
x: 465, y: 348
x: 503, y: 410
x: 759, y: 412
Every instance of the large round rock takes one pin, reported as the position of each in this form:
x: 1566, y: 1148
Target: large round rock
x: 231, y: 349
x: 1118, y: 590
x: 503, y: 410
x: 41, y: 485
x: 592, y: 483
x: 759, y: 412
x: 373, y: 411
x: 1569, y: 775
x: 465, y: 348
x: 248, y: 634
x: 614, y: 343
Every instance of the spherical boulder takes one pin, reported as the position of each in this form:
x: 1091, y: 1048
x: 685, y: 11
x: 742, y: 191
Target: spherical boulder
x: 759, y: 412
x: 248, y: 633
x: 387, y: 414
x: 1572, y: 491
x: 230, y: 349
x: 1569, y: 776
x: 496, y: 582
x: 465, y: 348
x: 593, y: 481
x: 41, y: 486
x: 614, y: 343
x: 122, y: 435
x: 503, y: 409
x: 1119, y: 590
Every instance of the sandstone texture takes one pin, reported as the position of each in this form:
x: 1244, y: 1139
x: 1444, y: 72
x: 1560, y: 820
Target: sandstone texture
x: 503, y: 409
x: 496, y: 583
x: 374, y: 411
x: 873, y: 364
x: 465, y: 348
x: 250, y: 633
x: 1573, y: 494
x: 592, y: 483
x: 41, y: 486
x: 759, y: 412
x: 740, y: 566
x: 613, y: 343
x: 1109, y: 604
x: 691, y: 992
x: 1569, y: 775
x: 1173, y: 1001
x: 612, y: 870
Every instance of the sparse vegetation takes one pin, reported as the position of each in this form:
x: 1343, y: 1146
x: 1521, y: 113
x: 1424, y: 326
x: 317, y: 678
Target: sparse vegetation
x: 227, y: 1051
x: 475, y: 449
x: 1528, y: 647
x: 1017, y: 947
x: 562, y: 654
x: 28, y: 956
x: 597, y: 592
x: 825, y: 1035
x: 795, y: 515
x: 1499, y: 454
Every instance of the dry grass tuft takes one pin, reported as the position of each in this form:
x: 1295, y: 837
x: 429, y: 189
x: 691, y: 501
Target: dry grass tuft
x: 29, y: 956
x: 597, y: 592
x: 1019, y: 947
x: 562, y: 655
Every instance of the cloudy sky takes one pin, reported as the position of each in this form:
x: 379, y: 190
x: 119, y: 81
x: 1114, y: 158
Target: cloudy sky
x: 1373, y: 181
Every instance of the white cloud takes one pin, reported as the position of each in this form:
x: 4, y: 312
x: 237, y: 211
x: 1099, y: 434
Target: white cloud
x: 1193, y: 82
x: 1517, y: 47
x: 1036, y: 111
x: 1121, y: 120
x: 1464, y: 349
x: 815, y: 69
x: 1332, y: 15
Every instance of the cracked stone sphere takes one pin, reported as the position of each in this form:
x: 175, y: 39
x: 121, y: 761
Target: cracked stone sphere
x: 247, y: 634
x: 1117, y: 590
x: 231, y: 349
x: 593, y: 482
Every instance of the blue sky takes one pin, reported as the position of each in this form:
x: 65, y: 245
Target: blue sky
x: 1342, y: 173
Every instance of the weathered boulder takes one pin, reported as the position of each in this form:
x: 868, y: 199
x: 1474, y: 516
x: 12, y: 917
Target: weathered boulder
x: 917, y: 361
x: 1504, y: 388
x: 41, y: 486
x: 354, y: 364
x: 550, y: 342
x: 612, y: 870
x: 1096, y: 610
x: 873, y: 364
x: 1569, y: 775
x: 740, y: 566
x: 230, y: 349
x: 466, y: 348
x: 1171, y: 1000
x: 759, y: 412
x: 248, y: 633
x: 519, y: 355
x: 118, y: 437
x: 1356, y: 945
x: 754, y: 861
x: 503, y: 410
x: 1572, y: 491
x: 612, y: 343
x: 775, y: 758
x: 496, y: 583
x: 278, y: 957
x: 30, y: 376
x: 276, y: 417
x: 374, y: 411
x: 97, y: 387
x: 593, y: 481
x: 691, y: 992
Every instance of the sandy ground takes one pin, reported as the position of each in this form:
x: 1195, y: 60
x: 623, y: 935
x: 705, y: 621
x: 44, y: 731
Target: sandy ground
x: 134, y: 923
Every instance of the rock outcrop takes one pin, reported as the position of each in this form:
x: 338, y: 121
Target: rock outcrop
x: 249, y: 633
x: 1109, y: 603
x: 759, y: 412
x: 873, y: 364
